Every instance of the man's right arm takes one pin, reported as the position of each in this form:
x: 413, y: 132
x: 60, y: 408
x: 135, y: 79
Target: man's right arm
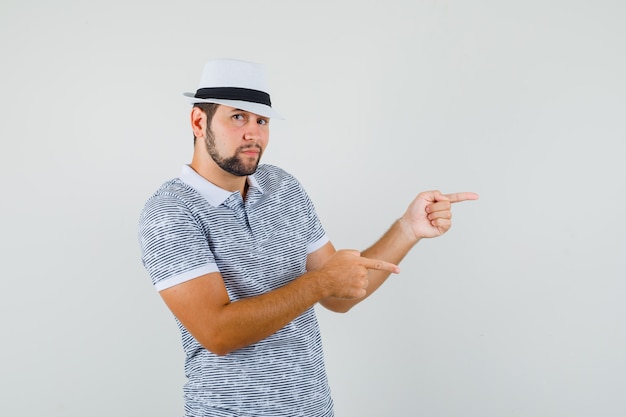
x: 202, y: 304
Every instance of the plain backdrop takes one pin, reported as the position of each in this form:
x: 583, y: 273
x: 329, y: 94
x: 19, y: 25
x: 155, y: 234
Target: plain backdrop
x: 517, y: 311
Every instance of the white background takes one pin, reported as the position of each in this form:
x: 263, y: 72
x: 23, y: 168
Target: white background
x: 517, y: 311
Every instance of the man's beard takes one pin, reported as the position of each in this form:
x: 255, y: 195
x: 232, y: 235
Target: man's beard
x: 234, y: 164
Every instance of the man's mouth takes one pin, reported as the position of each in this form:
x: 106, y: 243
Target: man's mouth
x: 251, y: 151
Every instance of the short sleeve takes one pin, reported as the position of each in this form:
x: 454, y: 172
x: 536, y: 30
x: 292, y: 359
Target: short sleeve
x: 173, y: 246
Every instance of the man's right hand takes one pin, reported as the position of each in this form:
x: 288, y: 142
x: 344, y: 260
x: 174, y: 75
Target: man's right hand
x: 345, y: 274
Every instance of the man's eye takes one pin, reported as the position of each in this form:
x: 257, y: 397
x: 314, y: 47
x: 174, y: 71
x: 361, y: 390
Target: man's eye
x: 262, y: 121
x: 238, y: 116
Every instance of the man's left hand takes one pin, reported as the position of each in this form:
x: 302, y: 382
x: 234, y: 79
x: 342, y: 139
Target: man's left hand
x: 429, y: 215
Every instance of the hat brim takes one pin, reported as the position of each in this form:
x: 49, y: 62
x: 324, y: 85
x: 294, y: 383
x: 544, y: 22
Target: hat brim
x: 256, y: 108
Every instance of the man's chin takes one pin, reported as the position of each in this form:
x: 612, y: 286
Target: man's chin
x: 243, y: 171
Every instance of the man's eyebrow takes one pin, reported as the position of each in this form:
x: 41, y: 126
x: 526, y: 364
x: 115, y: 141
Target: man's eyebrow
x: 235, y: 110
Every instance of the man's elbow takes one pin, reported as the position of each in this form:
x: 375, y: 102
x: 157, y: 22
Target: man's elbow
x: 337, y: 305
x: 217, y: 345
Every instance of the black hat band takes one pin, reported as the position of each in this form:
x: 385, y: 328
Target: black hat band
x: 234, y: 93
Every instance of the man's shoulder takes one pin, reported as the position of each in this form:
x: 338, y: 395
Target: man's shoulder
x: 269, y: 169
x: 271, y: 176
x: 173, y: 192
x: 175, y: 188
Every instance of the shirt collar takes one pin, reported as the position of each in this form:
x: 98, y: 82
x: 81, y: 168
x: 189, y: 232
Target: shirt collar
x: 211, y: 192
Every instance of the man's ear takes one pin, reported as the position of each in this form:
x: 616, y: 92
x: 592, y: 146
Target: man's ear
x: 198, y: 122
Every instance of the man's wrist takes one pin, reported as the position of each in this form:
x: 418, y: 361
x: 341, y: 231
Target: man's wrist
x: 407, y: 230
x: 315, y: 284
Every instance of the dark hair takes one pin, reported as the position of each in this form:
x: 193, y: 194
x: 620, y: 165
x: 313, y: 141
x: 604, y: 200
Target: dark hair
x: 208, y: 109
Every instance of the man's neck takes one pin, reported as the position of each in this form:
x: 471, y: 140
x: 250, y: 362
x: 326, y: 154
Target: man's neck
x: 211, y: 172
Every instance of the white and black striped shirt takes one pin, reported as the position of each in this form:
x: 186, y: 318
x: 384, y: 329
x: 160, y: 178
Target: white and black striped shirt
x: 188, y: 228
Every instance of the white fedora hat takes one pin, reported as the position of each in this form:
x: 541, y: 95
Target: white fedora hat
x: 235, y: 83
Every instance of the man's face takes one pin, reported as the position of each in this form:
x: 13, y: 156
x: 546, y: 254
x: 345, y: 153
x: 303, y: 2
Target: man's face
x: 236, y: 140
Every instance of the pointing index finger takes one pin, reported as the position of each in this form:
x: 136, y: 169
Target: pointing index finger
x: 458, y: 197
x: 379, y: 265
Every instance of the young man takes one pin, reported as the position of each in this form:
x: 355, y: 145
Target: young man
x: 238, y: 254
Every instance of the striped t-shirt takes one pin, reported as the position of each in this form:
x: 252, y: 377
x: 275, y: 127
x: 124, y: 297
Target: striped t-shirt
x: 190, y: 227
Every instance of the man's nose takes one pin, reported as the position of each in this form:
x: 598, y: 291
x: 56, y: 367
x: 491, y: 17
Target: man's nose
x: 253, y: 131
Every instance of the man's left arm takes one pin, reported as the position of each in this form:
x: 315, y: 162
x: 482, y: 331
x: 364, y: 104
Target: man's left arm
x: 429, y: 215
